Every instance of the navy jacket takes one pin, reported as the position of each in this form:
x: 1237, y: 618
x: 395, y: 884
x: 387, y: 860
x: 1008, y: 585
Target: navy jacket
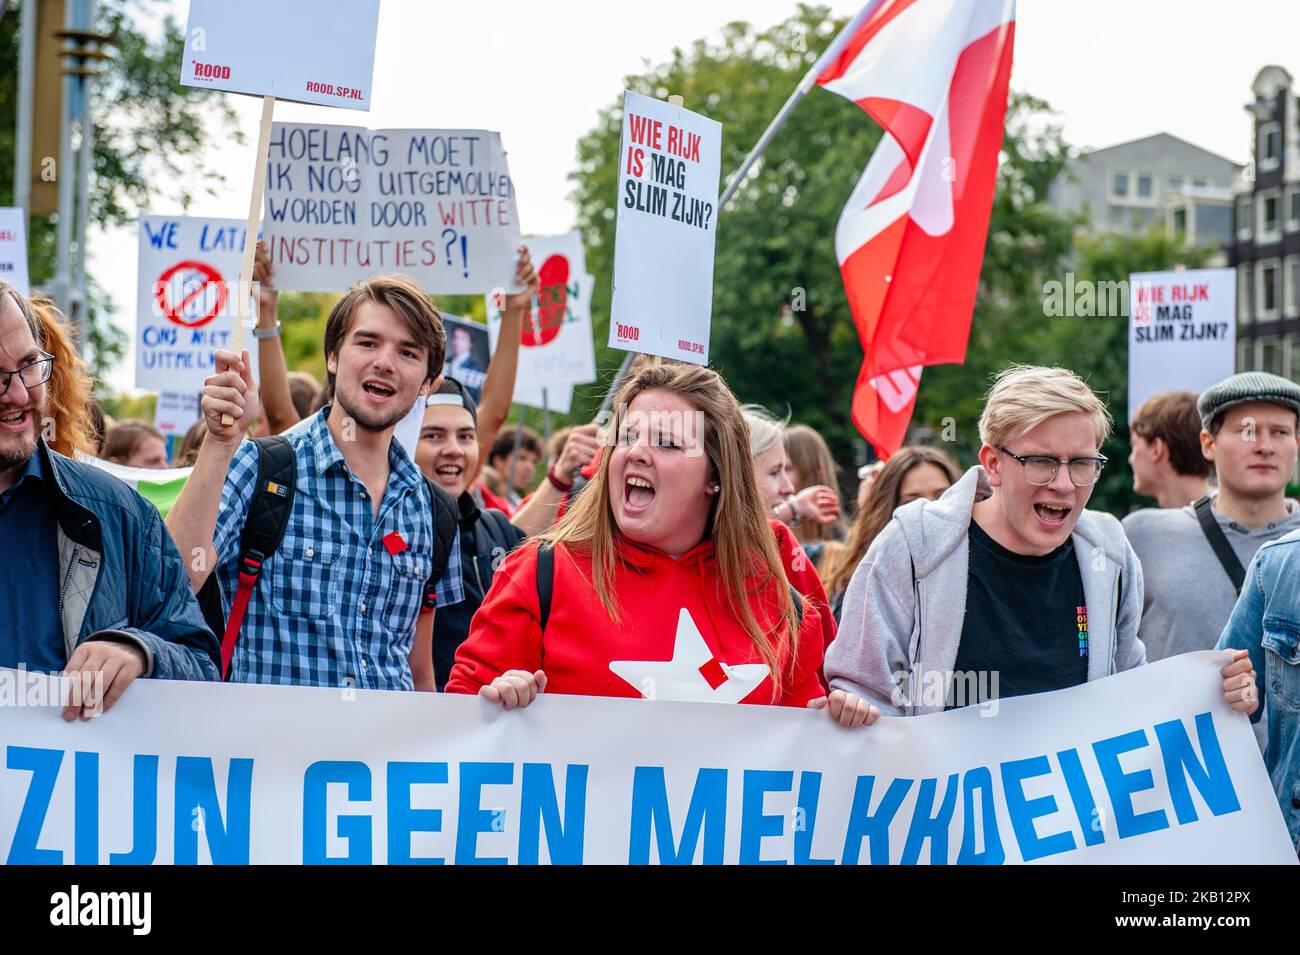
x: 486, y: 537
x: 121, y: 576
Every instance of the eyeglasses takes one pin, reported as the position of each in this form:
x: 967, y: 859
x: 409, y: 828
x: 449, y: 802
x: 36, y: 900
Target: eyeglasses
x: 1041, y: 470
x: 32, y: 374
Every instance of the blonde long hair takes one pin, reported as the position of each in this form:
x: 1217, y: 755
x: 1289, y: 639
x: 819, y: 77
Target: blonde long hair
x: 748, y: 562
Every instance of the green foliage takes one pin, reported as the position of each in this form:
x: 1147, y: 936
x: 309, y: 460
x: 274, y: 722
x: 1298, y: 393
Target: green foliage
x: 122, y: 407
x: 150, y: 139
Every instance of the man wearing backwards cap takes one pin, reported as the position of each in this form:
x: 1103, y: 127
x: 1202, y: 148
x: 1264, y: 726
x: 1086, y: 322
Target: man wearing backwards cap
x: 448, y: 454
x: 1193, y: 557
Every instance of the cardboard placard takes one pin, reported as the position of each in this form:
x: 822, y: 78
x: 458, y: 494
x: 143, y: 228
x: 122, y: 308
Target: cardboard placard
x: 669, y: 166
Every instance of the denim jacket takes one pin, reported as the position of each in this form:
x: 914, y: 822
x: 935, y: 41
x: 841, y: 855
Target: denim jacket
x: 1266, y: 622
x: 121, y: 577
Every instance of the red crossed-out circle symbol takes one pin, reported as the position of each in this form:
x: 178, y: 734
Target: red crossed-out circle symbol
x: 542, y: 324
x: 205, y: 286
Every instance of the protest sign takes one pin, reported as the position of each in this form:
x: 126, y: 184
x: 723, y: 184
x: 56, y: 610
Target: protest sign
x: 13, y: 249
x: 1182, y: 332
x: 467, y: 353
x: 186, y: 307
x: 1147, y: 766
x: 558, y: 398
x: 344, y: 203
x: 669, y: 166
x: 289, y: 49
x: 556, y: 348
x: 176, y: 411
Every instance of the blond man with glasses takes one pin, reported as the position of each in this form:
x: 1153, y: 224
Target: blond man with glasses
x: 1007, y: 584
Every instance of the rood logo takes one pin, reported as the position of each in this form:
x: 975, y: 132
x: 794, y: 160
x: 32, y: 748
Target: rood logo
x: 542, y: 324
x: 210, y: 71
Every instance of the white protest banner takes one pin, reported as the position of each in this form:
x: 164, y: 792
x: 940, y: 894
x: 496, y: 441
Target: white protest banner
x: 186, y: 307
x: 290, y: 49
x: 669, y: 164
x: 1148, y: 766
x: 160, y: 487
x: 556, y: 346
x: 176, y: 411
x: 1182, y: 332
x: 13, y: 249
x: 344, y: 203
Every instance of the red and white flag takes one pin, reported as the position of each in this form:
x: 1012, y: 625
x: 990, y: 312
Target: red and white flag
x: 910, y: 240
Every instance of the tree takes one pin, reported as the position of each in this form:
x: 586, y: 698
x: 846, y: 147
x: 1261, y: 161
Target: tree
x: 150, y: 137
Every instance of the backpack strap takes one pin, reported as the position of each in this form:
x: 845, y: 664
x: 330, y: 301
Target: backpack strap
x: 545, y: 580
x: 268, y: 516
x: 1219, y: 543
x: 446, y: 525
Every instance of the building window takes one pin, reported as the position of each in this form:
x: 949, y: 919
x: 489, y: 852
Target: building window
x: 1180, y: 221
x: 1270, y: 355
x: 1270, y: 146
x: 1175, y: 183
x: 1200, y: 183
x: 1244, y: 353
x: 1245, y: 217
x: 1144, y: 186
x: 1267, y: 292
x: 1291, y: 286
x: 1290, y: 279
x: 1269, y: 202
x: 1292, y: 208
x: 1119, y: 185
x: 1245, y: 298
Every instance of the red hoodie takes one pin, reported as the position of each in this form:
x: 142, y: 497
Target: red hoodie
x: 803, y: 577
x: 676, y: 637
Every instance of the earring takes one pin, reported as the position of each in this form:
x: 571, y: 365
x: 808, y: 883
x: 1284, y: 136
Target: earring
x: 716, y: 488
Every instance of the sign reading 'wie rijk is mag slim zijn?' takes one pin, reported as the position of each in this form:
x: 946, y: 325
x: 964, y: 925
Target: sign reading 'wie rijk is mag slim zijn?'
x: 1147, y: 766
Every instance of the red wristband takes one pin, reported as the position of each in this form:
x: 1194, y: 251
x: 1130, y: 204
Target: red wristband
x: 557, y: 484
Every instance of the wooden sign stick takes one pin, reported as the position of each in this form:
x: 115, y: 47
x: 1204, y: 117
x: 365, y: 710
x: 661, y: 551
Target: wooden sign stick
x: 243, y: 290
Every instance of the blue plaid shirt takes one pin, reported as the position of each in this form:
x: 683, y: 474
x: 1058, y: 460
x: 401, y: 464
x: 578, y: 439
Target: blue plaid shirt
x: 332, y: 606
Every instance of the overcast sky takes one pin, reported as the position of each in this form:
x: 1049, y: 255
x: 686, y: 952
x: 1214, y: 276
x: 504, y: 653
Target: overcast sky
x: 539, y: 73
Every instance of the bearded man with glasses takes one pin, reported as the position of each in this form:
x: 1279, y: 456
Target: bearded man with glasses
x: 1006, y: 585
x: 91, y: 582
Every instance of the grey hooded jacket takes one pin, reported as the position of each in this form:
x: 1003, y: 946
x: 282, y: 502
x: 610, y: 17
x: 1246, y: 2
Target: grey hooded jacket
x: 905, y: 606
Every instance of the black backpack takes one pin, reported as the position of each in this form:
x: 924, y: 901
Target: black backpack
x: 268, y: 517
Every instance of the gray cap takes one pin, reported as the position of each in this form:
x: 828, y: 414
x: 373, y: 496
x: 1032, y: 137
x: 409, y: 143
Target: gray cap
x: 1247, y: 386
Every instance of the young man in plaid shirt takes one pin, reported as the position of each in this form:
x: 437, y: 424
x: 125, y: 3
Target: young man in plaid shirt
x: 337, y: 603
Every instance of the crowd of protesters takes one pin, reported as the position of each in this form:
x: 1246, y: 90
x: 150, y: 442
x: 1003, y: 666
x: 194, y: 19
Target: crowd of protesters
x: 688, y: 548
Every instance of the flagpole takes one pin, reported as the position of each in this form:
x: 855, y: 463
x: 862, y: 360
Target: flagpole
x: 800, y: 91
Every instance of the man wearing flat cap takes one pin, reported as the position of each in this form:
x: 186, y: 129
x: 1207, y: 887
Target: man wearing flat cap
x: 1194, y: 558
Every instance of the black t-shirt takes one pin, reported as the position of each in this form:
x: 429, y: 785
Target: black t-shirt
x: 1026, y: 625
